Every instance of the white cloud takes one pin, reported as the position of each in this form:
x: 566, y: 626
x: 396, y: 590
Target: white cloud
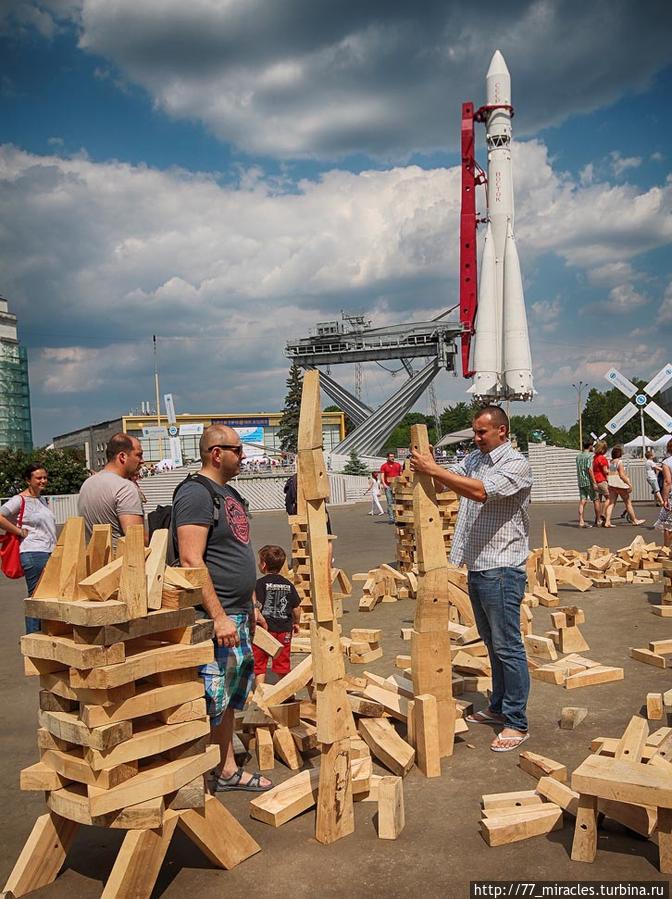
x: 620, y: 164
x: 100, y: 256
x: 665, y: 311
x: 300, y: 79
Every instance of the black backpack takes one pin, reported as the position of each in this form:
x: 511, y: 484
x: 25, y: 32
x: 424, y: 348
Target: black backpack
x: 162, y: 517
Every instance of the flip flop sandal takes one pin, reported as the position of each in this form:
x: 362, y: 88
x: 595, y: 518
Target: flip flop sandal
x: 482, y: 718
x: 224, y: 784
x: 507, y: 744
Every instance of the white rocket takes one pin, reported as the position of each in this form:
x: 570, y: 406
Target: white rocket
x: 501, y: 357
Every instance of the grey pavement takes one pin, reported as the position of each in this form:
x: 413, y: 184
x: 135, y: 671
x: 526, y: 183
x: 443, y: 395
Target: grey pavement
x: 440, y: 850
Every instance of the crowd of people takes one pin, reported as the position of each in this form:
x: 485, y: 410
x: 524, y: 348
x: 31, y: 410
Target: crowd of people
x: 210, y: 529
x: 603, y: 480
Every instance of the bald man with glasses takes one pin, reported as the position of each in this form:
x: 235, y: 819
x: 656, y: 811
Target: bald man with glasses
x: 212, y: 530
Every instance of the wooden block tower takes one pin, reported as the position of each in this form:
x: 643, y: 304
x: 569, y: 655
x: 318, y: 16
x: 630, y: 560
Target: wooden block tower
x: 434, y: 709
x: 447, y: 504
x: 335, y: 723
x: 123, y: 730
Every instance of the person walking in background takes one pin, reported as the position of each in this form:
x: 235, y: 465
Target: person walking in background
x: 374, y: 490
x: 664, y: 522
x: 389, y: 472
x: 586, y: 481
x: 652, y: 471
x: 28, y: 516
x: 619, y: 486
x: 600, y: 473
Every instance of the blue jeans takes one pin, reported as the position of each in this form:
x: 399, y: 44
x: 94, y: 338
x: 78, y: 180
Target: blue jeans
x: 389, y: 496
x: 496, y: 596
x: 33, y: 566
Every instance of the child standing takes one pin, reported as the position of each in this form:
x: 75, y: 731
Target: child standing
x: 278, y: 602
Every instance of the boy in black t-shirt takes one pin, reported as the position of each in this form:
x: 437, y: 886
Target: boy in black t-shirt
x: 277, y: 600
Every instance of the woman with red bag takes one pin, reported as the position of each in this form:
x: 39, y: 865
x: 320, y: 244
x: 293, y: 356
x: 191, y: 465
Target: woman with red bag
x: 28, y: 518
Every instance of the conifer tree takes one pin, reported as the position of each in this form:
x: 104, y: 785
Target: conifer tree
x: 288, y: 429
x: 354, y: 465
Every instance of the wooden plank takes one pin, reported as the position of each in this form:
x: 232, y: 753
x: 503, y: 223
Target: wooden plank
x: 328, y: 664
x: 69, y: 653
x: 286, y: 749
x: 391, y: 818
x: 286, y: 800
x: 133, y: 580
x: 267, y: 642
x: 74, y: 767
x: 572, y: 716
x: 334, y: 717
x: 559, y: 793
x: 73, y: 560
x: 623, y: 781
x: 222, y: 839
x: 59, y: 683
x: 99, y: 549
x: 149, y: 738
x: 392, y: 702
x: 154, y: 567
x: 84, y: 612
x: 386, y: 744
x: 516, y: 799
x: 601, y: 674
x: 540, y: 647
x: 103, y: 583
x: 264, y: 747
x: 426, y: 735
x: 41, y: 777
x: 584, y: 846
x: 540, y: 766
x: 521, y: 825
x: 648, y: 657
x: 155, y: 622
x: 42, y: 856
x: 291, y: 683
x: 144, y: 664
x: 139, y: 861
x: 67, y: 726
x: 192, y: 710
x: 155, y: 781
x: 335, y: 814
x: 631, y: 745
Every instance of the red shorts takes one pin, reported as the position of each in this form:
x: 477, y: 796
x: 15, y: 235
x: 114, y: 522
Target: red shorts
x: 281, y: 664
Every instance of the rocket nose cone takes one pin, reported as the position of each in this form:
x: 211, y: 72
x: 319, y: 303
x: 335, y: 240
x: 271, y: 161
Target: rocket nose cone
x: 497, y: 65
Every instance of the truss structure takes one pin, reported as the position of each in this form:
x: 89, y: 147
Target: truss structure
x: 354, y: 341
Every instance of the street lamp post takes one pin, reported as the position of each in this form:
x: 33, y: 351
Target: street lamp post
x: 579, y: 396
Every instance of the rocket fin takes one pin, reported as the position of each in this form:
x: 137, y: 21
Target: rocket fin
x: 517, y: 359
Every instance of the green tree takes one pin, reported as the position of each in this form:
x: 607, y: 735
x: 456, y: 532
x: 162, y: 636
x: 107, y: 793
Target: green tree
x: 288, y: 429
x: 535, y: 428
x: 401, y: 435
x: 66, y: 468
x: 354, y: 465
x: 458, y: 417
x: 601, y: 406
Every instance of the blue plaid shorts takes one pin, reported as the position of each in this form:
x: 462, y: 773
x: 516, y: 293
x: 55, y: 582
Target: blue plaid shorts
x: 229, y: 679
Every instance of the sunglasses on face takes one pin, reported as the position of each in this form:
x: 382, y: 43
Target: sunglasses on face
x: 237, y: 448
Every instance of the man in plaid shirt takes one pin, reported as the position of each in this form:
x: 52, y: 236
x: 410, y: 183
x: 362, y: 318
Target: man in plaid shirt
x: 492, y: 539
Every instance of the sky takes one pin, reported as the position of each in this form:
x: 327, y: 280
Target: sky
x: 226, y: 173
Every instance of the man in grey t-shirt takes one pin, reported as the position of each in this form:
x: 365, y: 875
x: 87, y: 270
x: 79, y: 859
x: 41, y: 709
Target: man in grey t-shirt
x: 215, y: 533
x: 110, y: 497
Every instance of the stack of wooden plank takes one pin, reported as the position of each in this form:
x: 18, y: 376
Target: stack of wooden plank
x: 638, y: 563
x: 656, y: 703
x: 654, y: 654
x: 385, y: 584
x: 448, y: 502
x: 299, y: 573
x: 573, y: 671
x: 123, y: 730
x: 628, y: 779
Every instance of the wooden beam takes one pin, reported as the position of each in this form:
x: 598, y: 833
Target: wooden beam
x: 42, y: 856
x: 155, y: 566
x: 335, y: 814
x: 133, y: 580
x: 391, y: 818
x: 139, y: 861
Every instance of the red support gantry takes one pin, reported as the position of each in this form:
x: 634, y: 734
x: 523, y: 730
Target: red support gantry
x: 472, y: 175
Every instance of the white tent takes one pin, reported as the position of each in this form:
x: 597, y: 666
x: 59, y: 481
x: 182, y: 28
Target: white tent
x: 662, y: 442
x: 637, y: 443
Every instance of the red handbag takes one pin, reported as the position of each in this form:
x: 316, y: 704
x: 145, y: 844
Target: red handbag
x: 10, y: 550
